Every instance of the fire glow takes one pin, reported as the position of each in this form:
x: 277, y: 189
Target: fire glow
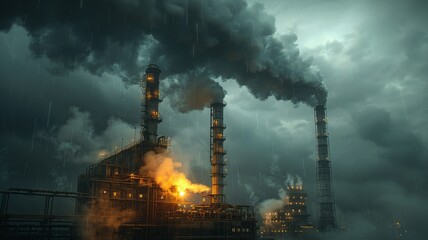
x: 167, y: 175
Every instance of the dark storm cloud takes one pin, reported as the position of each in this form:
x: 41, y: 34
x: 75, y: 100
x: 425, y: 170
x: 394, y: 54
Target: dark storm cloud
x: 228, y: 38
x: 33, y: 97
x: 36, y: 113
x: 398, y: 143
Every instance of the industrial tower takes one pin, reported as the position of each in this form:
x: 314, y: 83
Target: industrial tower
x: 150, y: 117
x: 325, y: 197
x: 217, y: 152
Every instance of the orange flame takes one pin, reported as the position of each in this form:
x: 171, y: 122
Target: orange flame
x: 167, y: 175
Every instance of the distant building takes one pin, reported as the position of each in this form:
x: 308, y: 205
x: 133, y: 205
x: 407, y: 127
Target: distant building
x: 291, y: 220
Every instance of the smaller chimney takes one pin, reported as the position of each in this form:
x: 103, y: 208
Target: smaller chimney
x: 217, y: 152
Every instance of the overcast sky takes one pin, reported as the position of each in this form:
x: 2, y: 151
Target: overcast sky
x: 62, y: 103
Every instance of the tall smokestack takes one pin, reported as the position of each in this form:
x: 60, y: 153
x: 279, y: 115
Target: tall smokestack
x: 325, y: 197
x: 217, y: 152
x: 150, y: 117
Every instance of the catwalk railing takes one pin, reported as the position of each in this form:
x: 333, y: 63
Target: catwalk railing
x: 172, y: 220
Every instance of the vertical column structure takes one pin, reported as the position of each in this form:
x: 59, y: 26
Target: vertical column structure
x: 150, y: 117
x: 325, y: 197
x: 217, y: 152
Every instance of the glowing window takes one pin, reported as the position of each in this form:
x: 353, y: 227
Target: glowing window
x: 150, y: 77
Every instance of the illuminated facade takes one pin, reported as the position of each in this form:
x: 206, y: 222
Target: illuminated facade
x: 291, y: 219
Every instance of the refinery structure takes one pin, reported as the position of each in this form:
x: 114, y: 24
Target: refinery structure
x: 158, y: 213
x: 292, y: 219
x: 119, y: 198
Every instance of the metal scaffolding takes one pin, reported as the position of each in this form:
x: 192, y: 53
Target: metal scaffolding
x: 325, y: 196
x: 150, y: 117
x: 217, y: 152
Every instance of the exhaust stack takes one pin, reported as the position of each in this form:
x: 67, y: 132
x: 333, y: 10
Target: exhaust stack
x: 325, y: 197
x: 217, y: 152
x: 150, y: 117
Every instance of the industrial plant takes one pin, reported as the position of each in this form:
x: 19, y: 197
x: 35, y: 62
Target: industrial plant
x: 290, y: 220
x: 159, y: 213
x: 122, y: 197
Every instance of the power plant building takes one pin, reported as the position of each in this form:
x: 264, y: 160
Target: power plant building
x: 292, y: 219
x: 156, y: 213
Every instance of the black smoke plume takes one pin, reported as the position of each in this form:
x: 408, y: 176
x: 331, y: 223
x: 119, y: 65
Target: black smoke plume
x: 228, y: 38
x: 193, y: 90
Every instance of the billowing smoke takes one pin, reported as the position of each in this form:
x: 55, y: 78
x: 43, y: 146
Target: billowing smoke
x: 167, y: 174
x: 274, y: 204
x: 193, y: 90
x: 228, y: 38
x: 251, y: 194
x: 77, y: 141
x: 293, y: 180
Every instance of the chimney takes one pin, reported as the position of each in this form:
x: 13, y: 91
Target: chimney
x: 150, y: 117
x: 217, y: 152
x: 325, y: 197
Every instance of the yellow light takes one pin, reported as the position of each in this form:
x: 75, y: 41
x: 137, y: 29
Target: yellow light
x: 102, y: 154
x: 181, y: 193
x: 154, y: 114
x: 141, y: 195
x: 149, y: 77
